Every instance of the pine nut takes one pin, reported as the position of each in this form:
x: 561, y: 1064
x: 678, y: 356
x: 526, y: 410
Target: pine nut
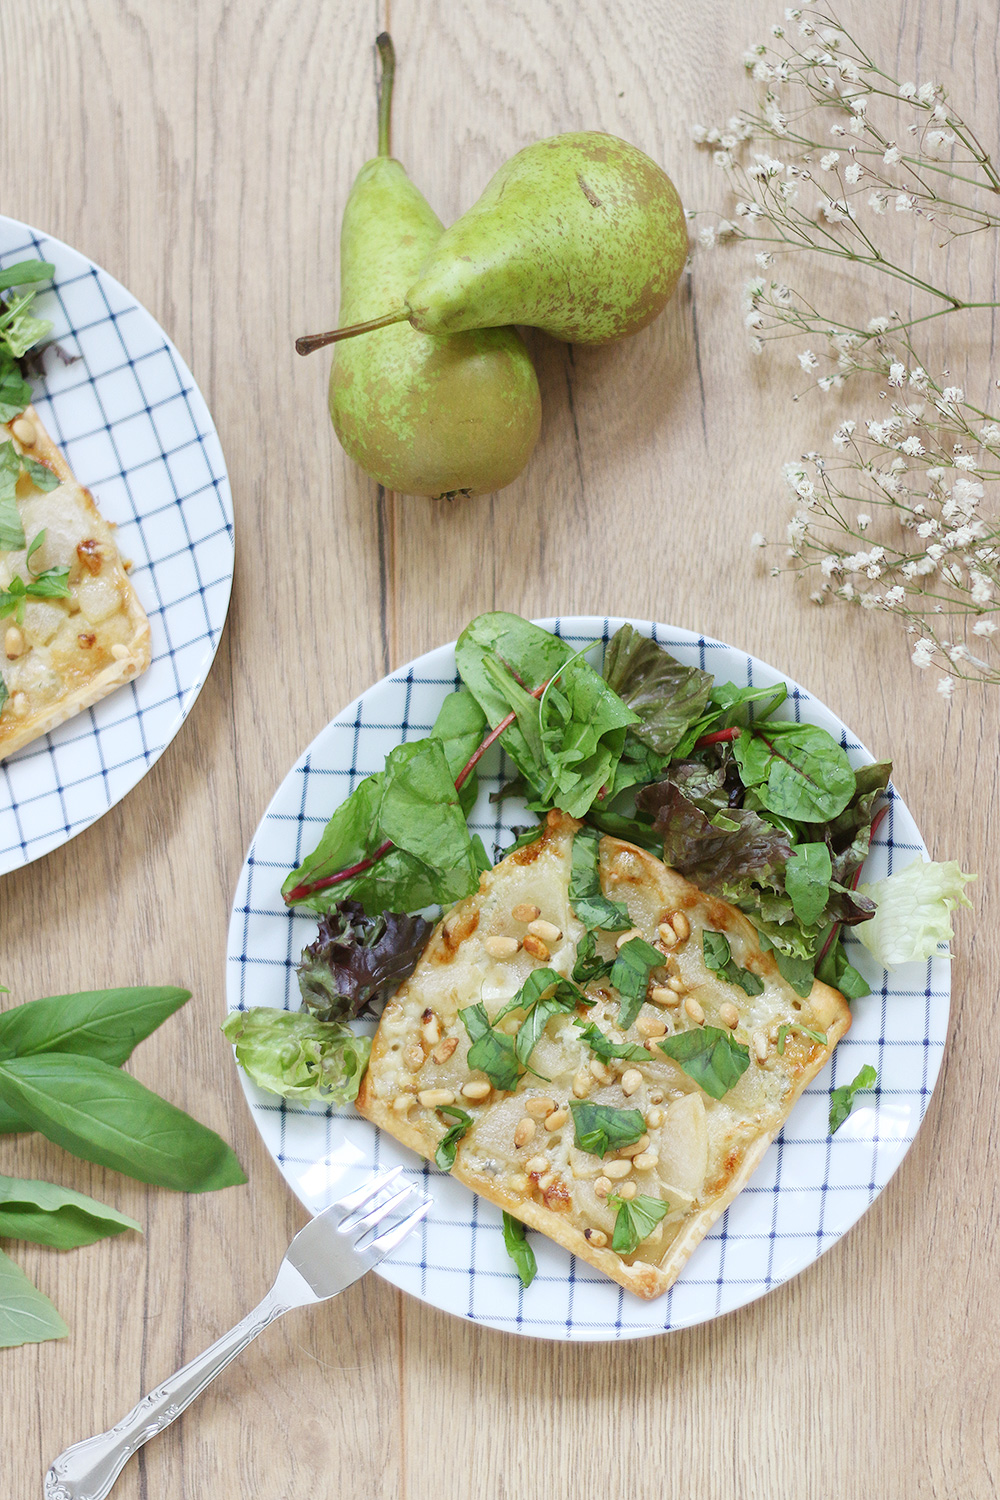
x: 603, y: 1186
x: 582, y: 1084
x: 547, y: 931
x: 599, y: 1071
x: 656, y: 1098
x: 538, y: 1164
x: 430, y: 1030
x: 595, y: 1237
x: 654, y: 1118
x: 501, y: 947
x: 631, y: 1080
x: 444, y: 1049
x: 636, y: 1148
x: 525, y: 912
x: 402, y: 1103
x: 677, y: 985
x: 645, y: 1160
x: 557, y: 1118
x: 414, y: 1057
x: 524, y: 1132
x: 13, y: 642
x: 627, y: 1191
x: 539, y: 1107
x: 694, y: 1010
x: 660, y: 995
x: 616, y: 1170
x: 434, y: 1098
x: 536, y: 948
x: 626, y: 937
x: 118, y: 651
x: 649, y: 1026
x: 24, y: 430
x: 760, y: 1046
x: 476, y: 1089
x: 667, y: 935
x: 729, y: 1015
x: 681, y: 926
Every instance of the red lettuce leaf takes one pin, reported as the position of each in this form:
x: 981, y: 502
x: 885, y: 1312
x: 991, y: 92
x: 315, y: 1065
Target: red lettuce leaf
x: 666, y: 695
x: 356, y: 962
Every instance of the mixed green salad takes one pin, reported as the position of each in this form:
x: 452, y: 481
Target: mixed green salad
x: 748, y: 803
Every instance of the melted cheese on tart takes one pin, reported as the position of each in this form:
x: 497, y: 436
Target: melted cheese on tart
x: 67, y: 653
x: 697, y: 1152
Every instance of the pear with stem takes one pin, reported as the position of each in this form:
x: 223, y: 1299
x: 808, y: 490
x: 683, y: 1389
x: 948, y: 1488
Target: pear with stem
x: 423, y: 414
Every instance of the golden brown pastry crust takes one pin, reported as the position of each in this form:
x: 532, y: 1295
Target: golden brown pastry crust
x: 85, y: 658
x: 707, y: 1149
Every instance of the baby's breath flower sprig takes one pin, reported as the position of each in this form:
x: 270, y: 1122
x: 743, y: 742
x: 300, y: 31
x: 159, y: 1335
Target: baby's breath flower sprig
x: 836, y: 157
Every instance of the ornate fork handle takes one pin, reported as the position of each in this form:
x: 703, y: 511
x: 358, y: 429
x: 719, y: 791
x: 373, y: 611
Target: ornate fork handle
x: 88, y: 1469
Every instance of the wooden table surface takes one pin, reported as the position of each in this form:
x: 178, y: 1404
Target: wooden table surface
x: 202, y: 153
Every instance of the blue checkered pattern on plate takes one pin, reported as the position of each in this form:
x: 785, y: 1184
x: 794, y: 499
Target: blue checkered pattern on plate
x: 136, y: 431
x: 809, y: 1189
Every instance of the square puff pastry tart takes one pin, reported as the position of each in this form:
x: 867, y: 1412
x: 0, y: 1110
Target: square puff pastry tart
x: 68, y: 653
x: 520, y: 1151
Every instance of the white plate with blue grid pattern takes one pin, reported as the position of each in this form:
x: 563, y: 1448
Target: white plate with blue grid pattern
x: 136, y: 431
x: 808, y: 1191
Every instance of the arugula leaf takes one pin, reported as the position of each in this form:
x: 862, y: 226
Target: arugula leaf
x: 20, y: 329
x: 666, y: 696
x: 26, y: 1314
x: 589, y: 903
x: 712, y: 1057
x: 719, y: 958
x: 518, y: 1249
x: 630, y: 976
x: 787, y: 1026
x: 602, y: 1046
x: 635, y: 1221
x: 835, y: 968
x: 797, y: 770
x: 600, y: 1128
x: 356, y: 962
x: 447, y: 1146
x: 842, y: 1099
x: 103, y: 1115
x: 25, y: 272
x: 589, y: 965
x: 291, y: 1054
x: 807, y: 880
x: 107, y: 1024
x: 491, y: 1052
x: 55, y: 1216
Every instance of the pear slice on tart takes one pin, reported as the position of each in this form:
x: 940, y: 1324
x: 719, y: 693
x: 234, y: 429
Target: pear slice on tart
x: 596, y: 1151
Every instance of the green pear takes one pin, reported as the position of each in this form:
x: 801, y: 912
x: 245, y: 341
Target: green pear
x: 581, y: 235
x: 423, y: 414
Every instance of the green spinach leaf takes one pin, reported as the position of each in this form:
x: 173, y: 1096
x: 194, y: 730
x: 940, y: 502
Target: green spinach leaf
x: 600, y: 1128
x: 518, y: 1249
x: 55, y: 1216
x: 787, y: 1026
x: 836, y: 969
x: 712, y: 1057
x: 797, y: 770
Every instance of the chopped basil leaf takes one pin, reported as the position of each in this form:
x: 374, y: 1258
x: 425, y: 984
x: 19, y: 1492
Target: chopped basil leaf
x: 38, y: 540
x: 719, y: 958
x: 836, y: 969
x: 539, y: 1007
x: 4, y: 695
x: 447, y: 1147
x: 41, y: 475
x: 15, y: 392
x: 518, y: 1249
x: 842, y: 1099
x: 635, y: 1221
x: 630, y: 976
x: 491, y: 1052
x: 602, y: 1046
x: 783, y: 1030
x: 589, y: 903
x: 589, y: 965
x: 600, y: 1128
x: 710, y: 1056
x: 796, y: 971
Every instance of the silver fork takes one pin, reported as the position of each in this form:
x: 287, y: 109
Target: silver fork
x: 323, y: 1258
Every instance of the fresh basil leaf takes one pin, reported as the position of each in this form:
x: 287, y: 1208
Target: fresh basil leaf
x: 491, y: 1052
x: 712, y: 1057
x: 26, y: 1314
x: 630, y: 976
x: 12, y: 537
x: 15, y: 392
x: 356, y: 962
x: 602, y: 1046
x: 103, y: 1115
x: 586, y: 898
x: 25, y: 272
x: 291, y: 1054
x: 35, y: 544
x: 518, y: 1249
x: 52, y: 584
x: 11, y: 1122
x: 600, y: 1128
x: 797, y: 770
x: 544, y: 994
x: 49, y: 1215
x: 718, y: 957
x: 106, y: 1024
x: 787, y: 1026
x: 807, y: 880
x: 835, y: 969
x: 4, y: 695
x: 589, y: 966
x: 842, y: 1099
x: 447, y: 1146
x: 666, y: 696
x: 635, y: 1220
